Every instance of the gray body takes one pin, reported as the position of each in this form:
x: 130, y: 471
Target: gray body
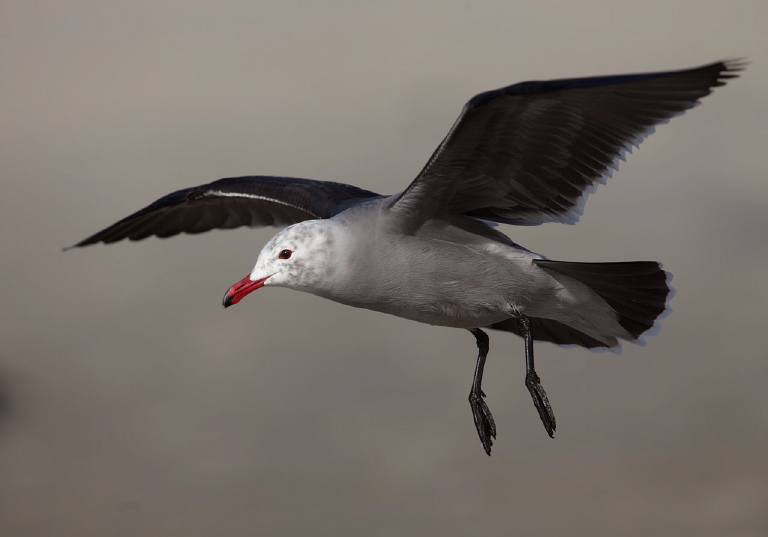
x: 454, y: 271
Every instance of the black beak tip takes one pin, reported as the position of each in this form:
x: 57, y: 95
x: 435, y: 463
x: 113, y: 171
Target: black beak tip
x: 227, y: 302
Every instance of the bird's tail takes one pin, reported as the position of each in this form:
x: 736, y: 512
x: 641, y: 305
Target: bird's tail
x: 636, y: 290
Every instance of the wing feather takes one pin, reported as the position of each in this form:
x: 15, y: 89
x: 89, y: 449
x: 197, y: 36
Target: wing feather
x: 234, y: 202
x: 532, y: 152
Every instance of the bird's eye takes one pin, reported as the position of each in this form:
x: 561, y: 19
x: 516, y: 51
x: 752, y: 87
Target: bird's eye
x: 285, y: 254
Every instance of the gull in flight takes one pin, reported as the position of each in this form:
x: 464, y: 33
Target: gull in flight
x: 525, y: 154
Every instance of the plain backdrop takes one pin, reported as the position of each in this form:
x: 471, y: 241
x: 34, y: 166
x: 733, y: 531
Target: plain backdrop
x: 132, y: 404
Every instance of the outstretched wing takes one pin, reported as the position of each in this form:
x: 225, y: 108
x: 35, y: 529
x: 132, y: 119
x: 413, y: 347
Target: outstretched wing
x: 532, y: 152
x: 234, y: 202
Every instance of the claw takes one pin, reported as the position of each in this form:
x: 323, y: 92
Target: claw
x: 541, y: 402
x: 484, y: 423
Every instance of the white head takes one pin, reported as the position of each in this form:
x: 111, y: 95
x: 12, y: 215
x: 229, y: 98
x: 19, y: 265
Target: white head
x: 298, y: 257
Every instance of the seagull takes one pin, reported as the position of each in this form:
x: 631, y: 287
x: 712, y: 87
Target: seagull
x: 525, y: 154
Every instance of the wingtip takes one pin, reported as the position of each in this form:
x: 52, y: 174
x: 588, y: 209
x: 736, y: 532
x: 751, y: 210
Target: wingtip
x: 736, y: 63
x: 76, y: 245
x: 732, y: 67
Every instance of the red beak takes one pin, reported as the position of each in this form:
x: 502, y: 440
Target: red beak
x: 238, y: 291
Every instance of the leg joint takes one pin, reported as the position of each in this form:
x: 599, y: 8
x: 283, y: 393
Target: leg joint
x: 481, y: 338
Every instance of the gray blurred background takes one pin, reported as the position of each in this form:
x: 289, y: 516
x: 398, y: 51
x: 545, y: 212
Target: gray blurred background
x: 132, y: 404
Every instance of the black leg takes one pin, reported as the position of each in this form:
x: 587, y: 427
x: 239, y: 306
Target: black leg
x: 532, y: 381
x: 484, y: 423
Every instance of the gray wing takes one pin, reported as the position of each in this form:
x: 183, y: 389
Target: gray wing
x: 234, y: 202
x: 532, y: 152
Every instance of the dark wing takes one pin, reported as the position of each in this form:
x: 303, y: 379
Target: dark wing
x: 234, y: 202
x: 532, y: 152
